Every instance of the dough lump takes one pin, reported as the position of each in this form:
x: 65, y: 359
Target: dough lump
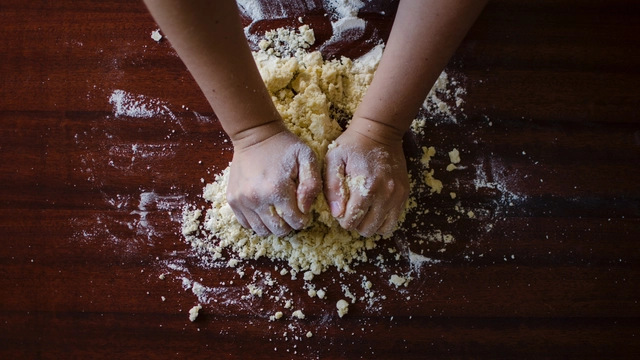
x: 311, y: 94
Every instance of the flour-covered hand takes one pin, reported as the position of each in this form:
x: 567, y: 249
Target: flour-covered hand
x: 273, y: 184
x: 366, y: 181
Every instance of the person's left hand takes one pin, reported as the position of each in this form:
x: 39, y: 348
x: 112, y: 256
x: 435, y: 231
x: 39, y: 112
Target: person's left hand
x: 366, y: 182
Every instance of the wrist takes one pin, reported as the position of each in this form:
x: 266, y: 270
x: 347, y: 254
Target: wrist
x: 376, y: 130
x: 246, y: 138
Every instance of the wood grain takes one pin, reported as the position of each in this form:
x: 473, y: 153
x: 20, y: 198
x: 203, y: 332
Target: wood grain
x: 550, y: 119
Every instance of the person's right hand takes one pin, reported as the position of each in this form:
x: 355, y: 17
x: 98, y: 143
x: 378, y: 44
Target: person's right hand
x: 273, y: 184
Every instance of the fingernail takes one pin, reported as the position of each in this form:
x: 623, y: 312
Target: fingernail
x: 336, y: 209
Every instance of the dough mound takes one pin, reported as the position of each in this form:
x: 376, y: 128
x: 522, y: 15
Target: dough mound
x: 311, y: 94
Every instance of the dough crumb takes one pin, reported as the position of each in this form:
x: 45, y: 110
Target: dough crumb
x: 309, y: 334
x: 278, y: 315
x: 358, y: 183
x: 427, y: 154
x: 232, y: 263
x: 321, y: 294
x: 433, y: 183
x: 156, y: 36
x: 454, y: 156
x: 194, y: 312
x: 343, y: 307
x: 254, y: 290
x: 298, y: 314
x: 399, y: 280
x: 308, y: 276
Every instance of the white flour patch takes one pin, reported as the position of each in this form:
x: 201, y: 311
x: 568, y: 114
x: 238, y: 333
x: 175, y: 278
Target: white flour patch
x: 345, y: 29
x: 343, y: 8
x: 124, y: 156
x: 171, y: 204
x: 202, y: 118
x: 501, y: 180
x: 126, y: 104
x: 417, y: 260
x: 136, y: 106
x: 131, y: 224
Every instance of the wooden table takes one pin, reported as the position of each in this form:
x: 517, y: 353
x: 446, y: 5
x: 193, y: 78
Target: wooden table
x: 90, y: 202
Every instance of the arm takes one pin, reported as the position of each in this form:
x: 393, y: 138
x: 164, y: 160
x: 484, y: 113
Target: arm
x: 208, y: 37
x: 425, y: 34
x: 274, y: 177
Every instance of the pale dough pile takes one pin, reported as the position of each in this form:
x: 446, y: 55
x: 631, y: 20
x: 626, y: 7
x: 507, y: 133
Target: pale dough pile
x: 310, y: 94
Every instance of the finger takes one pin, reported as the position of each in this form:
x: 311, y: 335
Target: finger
x: 309, y: 184
x: 274, y: 222
x: 372, y: 221
x: 390, y: 223
x: 335, y: 189
x: 233, y: 204
x: 359, y: 202
x: 241, y: 219
x: 289, y: 212
x: 256, y: 224
x: 354, y: 215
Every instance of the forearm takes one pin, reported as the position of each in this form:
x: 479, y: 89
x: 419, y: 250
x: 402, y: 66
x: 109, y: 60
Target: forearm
x: 209, y: 38
x: 425, y: 34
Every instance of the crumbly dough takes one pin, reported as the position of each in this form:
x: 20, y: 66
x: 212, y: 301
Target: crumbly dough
x: 433, y: 183
x: 311, y: 94
x: 427, y: 154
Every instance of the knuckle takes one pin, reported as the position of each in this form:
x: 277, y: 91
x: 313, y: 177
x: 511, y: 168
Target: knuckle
x: 391, y: 186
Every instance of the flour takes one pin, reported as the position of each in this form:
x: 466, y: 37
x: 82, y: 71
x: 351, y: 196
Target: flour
x: 443, y: 102
x: 136, y: 106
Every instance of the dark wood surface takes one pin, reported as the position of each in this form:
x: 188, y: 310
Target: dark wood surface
x: 551, y: 119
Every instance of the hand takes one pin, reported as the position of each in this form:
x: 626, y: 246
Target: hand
x: 366, y: 182
x: 273, y: 184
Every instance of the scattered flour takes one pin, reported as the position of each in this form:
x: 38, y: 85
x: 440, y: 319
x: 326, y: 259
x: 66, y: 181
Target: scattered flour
x: 136, y: 106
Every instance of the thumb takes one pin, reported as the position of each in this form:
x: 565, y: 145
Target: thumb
x: 309, y: 182
x: 335, y: 187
